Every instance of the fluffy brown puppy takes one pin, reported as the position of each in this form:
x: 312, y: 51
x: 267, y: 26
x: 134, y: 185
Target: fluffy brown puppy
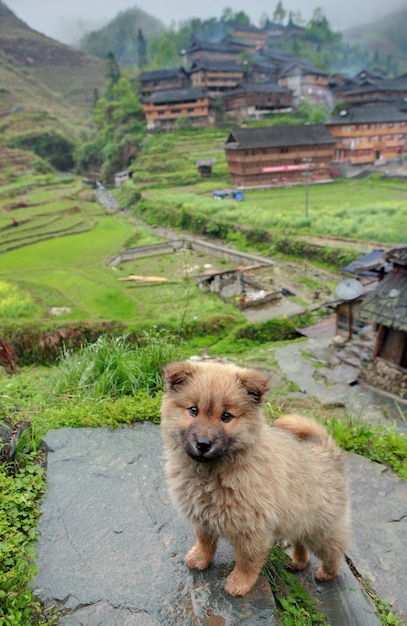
x: 234, y: 476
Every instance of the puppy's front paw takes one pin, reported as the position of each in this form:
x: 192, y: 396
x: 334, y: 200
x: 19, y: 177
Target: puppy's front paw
x: 198, y: 558
x: 239, y: 583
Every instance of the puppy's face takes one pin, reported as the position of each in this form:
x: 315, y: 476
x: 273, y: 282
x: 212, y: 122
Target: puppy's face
x: 212, y: 410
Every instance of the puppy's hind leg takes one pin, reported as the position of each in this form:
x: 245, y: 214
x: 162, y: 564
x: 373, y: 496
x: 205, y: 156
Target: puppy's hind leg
x: 330, y: 546
x: 200, y: 556
x: 299, y: 557
x: 331, y: 557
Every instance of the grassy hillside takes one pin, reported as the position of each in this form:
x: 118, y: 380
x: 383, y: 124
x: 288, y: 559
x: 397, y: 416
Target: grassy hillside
x: 39, y: 73
x: 169, y: 159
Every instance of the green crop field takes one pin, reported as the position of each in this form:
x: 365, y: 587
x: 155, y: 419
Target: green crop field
x: 370, y: 210
x: 58, y: 256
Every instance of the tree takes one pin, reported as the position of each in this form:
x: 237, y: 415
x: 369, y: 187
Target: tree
x: 280, y: 13
x: 113, y: 69
x: 142, y: 49
x: 167, y: 53
x: 242, y: 18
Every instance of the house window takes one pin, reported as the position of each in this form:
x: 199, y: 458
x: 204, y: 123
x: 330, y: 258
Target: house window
x: 283, y: 150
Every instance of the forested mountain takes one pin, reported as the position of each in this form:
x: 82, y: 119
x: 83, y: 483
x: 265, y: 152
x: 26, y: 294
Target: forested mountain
x: 124, y: 36
x: 139, y: 40
x: 385, y: 39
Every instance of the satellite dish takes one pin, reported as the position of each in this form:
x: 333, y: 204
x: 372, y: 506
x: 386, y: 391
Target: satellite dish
x: 349, y: 289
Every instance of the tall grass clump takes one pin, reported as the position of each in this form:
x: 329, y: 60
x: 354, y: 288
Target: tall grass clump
x: 115, y: 367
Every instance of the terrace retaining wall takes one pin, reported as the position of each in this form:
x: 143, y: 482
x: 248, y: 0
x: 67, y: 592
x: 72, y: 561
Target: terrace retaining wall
x: 197, y: 245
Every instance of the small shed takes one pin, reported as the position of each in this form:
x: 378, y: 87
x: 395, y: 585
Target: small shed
x: 205, y: 166
x: 121, y: 177
x: 386, y: 306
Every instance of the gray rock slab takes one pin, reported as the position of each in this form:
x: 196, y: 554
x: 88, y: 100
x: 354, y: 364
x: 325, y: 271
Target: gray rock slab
x: 112, y: 546
x: 379, y: 529
x: 342, y: 600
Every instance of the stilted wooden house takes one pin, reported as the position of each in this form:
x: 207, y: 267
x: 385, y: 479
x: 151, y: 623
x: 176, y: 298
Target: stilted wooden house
x: 279, y: 155
x: 254, y: 100
x: 216, y: 76
x: 368, y: 134
x: 387, y: 308
x: 163, y: 108
x: 158, y: 80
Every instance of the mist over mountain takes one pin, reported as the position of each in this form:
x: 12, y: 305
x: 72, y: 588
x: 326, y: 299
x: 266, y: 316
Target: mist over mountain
x: 69, y: 21
x: 388, y: 35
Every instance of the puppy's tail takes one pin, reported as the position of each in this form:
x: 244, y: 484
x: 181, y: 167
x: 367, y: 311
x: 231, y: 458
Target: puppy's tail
x: 303, y: 428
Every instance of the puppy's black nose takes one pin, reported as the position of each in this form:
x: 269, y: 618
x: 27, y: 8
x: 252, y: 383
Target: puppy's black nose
x: 203, y: 444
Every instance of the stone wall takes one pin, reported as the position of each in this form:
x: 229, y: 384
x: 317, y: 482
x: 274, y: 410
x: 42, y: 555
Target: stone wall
x: 382, y: 375
x: 197, y: 245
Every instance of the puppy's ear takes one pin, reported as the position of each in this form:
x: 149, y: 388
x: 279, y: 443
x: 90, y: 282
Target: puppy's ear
x: 176, y: 374
x: 256, y: 383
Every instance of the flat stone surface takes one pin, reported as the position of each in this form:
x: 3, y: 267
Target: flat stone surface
x: 379, y: 526
x: 112, y: 546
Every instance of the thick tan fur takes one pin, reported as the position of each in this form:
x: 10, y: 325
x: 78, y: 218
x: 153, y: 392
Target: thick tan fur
x: 234, y: 476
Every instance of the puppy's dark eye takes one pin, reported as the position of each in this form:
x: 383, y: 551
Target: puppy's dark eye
x: 226, y: 417
x: 193, y: 410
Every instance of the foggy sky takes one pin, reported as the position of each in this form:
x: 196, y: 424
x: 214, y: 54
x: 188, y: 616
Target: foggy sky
x: 67, y: 20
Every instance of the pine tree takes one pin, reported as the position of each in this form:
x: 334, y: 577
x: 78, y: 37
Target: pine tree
x: 142, y: 49
x: 113, y: 68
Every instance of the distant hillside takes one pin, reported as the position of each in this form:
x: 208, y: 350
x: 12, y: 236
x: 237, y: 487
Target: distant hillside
x: 383, y: 37
x: 39, y: 73
x: 120, y: 36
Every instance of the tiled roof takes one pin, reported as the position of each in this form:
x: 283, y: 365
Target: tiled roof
x: 294, y: 69
x: 247, y: 88
x: 387, y: 304
x: 178, y: 95
x: 397, y: 255
x: 216, y: 66
x: 225, y: 47
x: 369, y: 114
x: 276, y: 136
x: 170, y: 72
x: 387, y: 84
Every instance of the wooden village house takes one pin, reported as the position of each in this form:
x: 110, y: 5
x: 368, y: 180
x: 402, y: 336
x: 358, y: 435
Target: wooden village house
x: 159, y: 80
x: 163, y: 108
x: 199, y: 51
x: 255, y: 37
x: 252, y: 100
x: 279, y: 155
x: 386, y: 307
x: 216, y: 76
x: 306, y: 82
x: 369, y: 134
x: 388, y: 90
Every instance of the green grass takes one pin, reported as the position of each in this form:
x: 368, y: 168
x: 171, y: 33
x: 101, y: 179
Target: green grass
x: 113, y: 367
x: 110, y: 383
x: 73, y: 271
x: 362, y: 210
